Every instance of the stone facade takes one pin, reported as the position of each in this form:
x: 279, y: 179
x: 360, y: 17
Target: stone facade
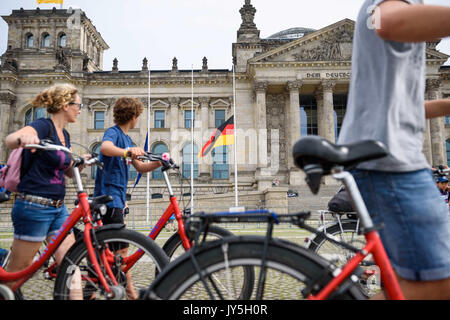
x: 274, y: 77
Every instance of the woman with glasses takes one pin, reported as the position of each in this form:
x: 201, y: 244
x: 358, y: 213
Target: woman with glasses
x: 39, y: 209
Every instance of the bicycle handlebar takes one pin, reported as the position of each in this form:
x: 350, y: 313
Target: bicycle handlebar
x: 45, y: 145
x: 165, y: 159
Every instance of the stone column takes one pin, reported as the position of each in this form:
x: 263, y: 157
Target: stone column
x: 325, y: 110
x: 261, y: 122
x: 263, y: 178
x: 293, y: 130
x: 6, y: 119
x: 204, y: 174
x: 173, y: 148
x: 437, y: 125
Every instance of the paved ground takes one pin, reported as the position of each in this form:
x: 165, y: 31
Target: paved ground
x: 39, y: 288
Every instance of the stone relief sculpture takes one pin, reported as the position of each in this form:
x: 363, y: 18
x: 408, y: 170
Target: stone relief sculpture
x: 328, y: 49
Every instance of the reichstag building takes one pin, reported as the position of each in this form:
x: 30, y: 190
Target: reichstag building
x: 291, y: 84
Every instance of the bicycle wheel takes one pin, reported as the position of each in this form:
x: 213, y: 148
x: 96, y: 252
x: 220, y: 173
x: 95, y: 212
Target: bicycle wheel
x: 140, y: 274
x: 174, y: 248
x: 348, y: 232
x: 292, y: 271
x: 6, y: 293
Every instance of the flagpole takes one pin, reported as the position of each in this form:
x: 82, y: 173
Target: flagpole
x: 235, y: 142
x: 192, y: 137
x: 148, y: 148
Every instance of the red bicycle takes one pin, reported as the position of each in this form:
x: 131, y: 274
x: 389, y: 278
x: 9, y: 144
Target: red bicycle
x: 284, y: 269
x: 100, y: 266
x: 177, y: 244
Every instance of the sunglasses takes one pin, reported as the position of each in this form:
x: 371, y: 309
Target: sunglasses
x: 80, y: 105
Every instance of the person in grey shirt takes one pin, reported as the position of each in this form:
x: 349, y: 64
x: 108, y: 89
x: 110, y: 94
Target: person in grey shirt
x: 386, y: 103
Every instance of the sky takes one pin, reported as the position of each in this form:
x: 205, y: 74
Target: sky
x: 192, y: 29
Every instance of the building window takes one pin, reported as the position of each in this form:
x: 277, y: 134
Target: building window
x: 133, y: 173
x: 159, y: 118
x: 220, y: 163
x: 340, y: 105
x: 45, y: 40
x: 308, y: 115
x: 447, y: 119
x: 99, y: 120
x: 95, y: 151
x: 34, y: 114
x: 187, y: 118
x: 29, y: 41
x: 187, y: 160
x: 62, y: 40
x: 219, y: 117
x: 158, y: 148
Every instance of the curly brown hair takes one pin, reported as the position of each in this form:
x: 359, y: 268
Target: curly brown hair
x: 55, y: 97
x: 125, y: 109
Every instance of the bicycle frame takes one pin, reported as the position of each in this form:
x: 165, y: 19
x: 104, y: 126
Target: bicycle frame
x: 173, y: 208
x: 373, y: 246
x: 82, y: 211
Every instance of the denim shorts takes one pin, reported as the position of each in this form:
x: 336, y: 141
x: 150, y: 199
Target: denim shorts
x: 35, y: 222
x: 416, y: 232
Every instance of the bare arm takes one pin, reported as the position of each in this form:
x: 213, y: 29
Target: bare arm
x: 26, y: 135
x: 143, y: 167
x: 404, y: 22
x: 437, y: 108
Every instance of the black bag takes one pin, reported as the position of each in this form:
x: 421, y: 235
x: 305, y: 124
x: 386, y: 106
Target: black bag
x: 340, y: 202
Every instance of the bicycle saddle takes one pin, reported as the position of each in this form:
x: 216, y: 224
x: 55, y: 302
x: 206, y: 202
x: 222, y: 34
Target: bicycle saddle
x: 317, y: 156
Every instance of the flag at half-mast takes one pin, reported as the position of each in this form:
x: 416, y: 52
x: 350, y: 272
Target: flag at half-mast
x: 222, y: 136
x: 50, y: 1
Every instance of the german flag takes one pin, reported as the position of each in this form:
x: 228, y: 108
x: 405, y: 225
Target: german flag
x: 223, y: 135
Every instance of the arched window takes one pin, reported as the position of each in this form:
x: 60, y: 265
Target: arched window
x: 308, y: 115
x: 187, y: 161
x: 34, y: 114
x: 158, y: 148
x: 96, y: 150
x: 29, y: 41
x: 220, y: 163
x: 447, y: 143
x: 45, y: 40
x: 62, y: 40
x: 340, y: 105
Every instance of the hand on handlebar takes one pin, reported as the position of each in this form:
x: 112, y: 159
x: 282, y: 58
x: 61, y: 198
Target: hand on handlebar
x: 135, y: 152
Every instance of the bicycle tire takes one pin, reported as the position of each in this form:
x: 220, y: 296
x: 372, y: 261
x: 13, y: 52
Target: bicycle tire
x: 339, y: 255
x: 154, y: 258
x: 174, y: 243
x: 290, y: 267
x: 6, y: 293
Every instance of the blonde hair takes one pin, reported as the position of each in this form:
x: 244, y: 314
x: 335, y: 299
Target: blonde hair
x: 55, y: 97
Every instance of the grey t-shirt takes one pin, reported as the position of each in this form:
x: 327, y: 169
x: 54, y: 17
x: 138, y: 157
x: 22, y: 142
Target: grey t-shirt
x: 386, y: 96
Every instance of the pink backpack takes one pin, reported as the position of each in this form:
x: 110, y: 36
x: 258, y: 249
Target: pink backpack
x: 10, y: 174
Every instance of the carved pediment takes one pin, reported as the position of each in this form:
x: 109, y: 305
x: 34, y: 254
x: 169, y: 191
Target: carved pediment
x: 433, y: 54
x: 220, y: 103
x: 160, y: 104
x: 97, y: 104
x: 332, y: 43
x: 188, y: 104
